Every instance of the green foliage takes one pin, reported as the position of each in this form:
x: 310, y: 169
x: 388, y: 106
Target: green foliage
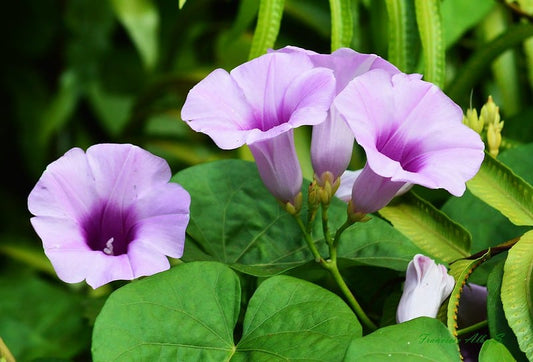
x: 160, y: 317
x: 460, y: 270
x: 267, y: 28
x: 494, y: 351
x: 233, y: 223
x: 517, y: 289
x: 341, y: 23
x: 402, y: 34
x: 421, y: 339
x: 498, y: 186
x: 38, y: 319
x: 430, y: 229
x: 118, y: 71
x: 428, y: 18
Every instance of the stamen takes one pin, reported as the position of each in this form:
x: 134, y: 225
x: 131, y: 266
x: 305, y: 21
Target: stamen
x: 109, y: 247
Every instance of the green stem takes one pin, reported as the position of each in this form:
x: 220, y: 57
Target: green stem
x: 331, y: 266
x: 339, y: 232
x: 473, y: 327
x: 309, y: 240
x: 325, y: 226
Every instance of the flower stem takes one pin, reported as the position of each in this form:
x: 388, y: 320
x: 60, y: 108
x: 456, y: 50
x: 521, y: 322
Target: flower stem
x: 331, y: 266
x: 309, y: 240
x: 473, y: 327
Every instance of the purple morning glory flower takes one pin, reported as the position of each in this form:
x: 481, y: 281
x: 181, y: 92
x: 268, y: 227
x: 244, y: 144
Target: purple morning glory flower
x: 411, y: 133
x: 109, y: 214
x: 427, y: 285
x: 259, y: 103
x: 332, y: 140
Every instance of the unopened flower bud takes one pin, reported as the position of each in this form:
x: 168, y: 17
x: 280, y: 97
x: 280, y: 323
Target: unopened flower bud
x: 426, y: 287
x: 494, y: 137
x: 473, y: 121
x: 490, y: 112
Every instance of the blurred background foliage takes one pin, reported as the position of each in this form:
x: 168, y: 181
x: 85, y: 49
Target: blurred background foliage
x: 81, y: 72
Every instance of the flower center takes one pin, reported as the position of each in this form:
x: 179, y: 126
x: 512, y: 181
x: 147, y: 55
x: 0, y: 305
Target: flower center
x: 109, y: 229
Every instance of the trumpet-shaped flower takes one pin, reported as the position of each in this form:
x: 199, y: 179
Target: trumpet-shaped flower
x: 426, y: 287
x: 332, y: 141
x: 411, y: 133
x: 109, y: 214
x: 259, y: 103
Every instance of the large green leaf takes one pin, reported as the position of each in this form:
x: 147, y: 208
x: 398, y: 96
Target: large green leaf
x: 141, y: 20
x: 190, y: 312
x: 288, y: 318
x: 498, y: 326
x: 497, y: 185
x: 39, y: 320
x: 494, y: 351
x: 420, y: 339
x: 429, y: 228
x: 517, y: 292
x: 236, y: 221
x: 460, y: 270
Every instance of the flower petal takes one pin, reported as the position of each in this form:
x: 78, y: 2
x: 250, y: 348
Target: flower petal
x: 278, y: 166
x: 123, y: 173
x: 411, y: 131
x: 217, y: 107
x: 65, y: 189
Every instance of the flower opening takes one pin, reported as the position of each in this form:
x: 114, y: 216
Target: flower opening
x: 412, y: 133
x: 109, y: 214
x: 258, y: 104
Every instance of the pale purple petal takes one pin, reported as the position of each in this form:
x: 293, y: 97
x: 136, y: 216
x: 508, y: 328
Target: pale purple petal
x: 272, y: 94
x: 66, y: 189
x: 426, y: 287
x: 332, y: 141
x: 411, y: 131
x: 217, y: 107
x: 132, y: 206
x: 372, y: 192
x: 344, y: 192
x: 331, y: 146
x: 278, y: 166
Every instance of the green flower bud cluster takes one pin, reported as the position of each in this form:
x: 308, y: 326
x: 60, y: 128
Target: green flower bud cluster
x: 488, y: 124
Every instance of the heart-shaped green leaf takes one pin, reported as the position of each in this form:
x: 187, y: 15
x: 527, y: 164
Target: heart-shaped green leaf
x: 189, y: 313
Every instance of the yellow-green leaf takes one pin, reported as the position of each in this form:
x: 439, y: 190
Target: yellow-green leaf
x: 428, y: 228
x: 497, y: 185
x: 517, y: 292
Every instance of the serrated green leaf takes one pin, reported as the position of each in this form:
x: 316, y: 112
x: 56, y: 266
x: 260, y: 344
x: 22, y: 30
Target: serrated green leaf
x: 497, y: 185
x: 429, y: 228
x: 498, y: 326
x: 181, y: 3
x: 267, y: 28
x: 141, y: 20
x: 341, y: 23
x: 494, y: 351
x: 402, y: 34
x: 236, y: 221
x: 517, y: 292
x: 190, y: 312
x: 429, y: 22
x: 420, y: 339
x: 460, y: 270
